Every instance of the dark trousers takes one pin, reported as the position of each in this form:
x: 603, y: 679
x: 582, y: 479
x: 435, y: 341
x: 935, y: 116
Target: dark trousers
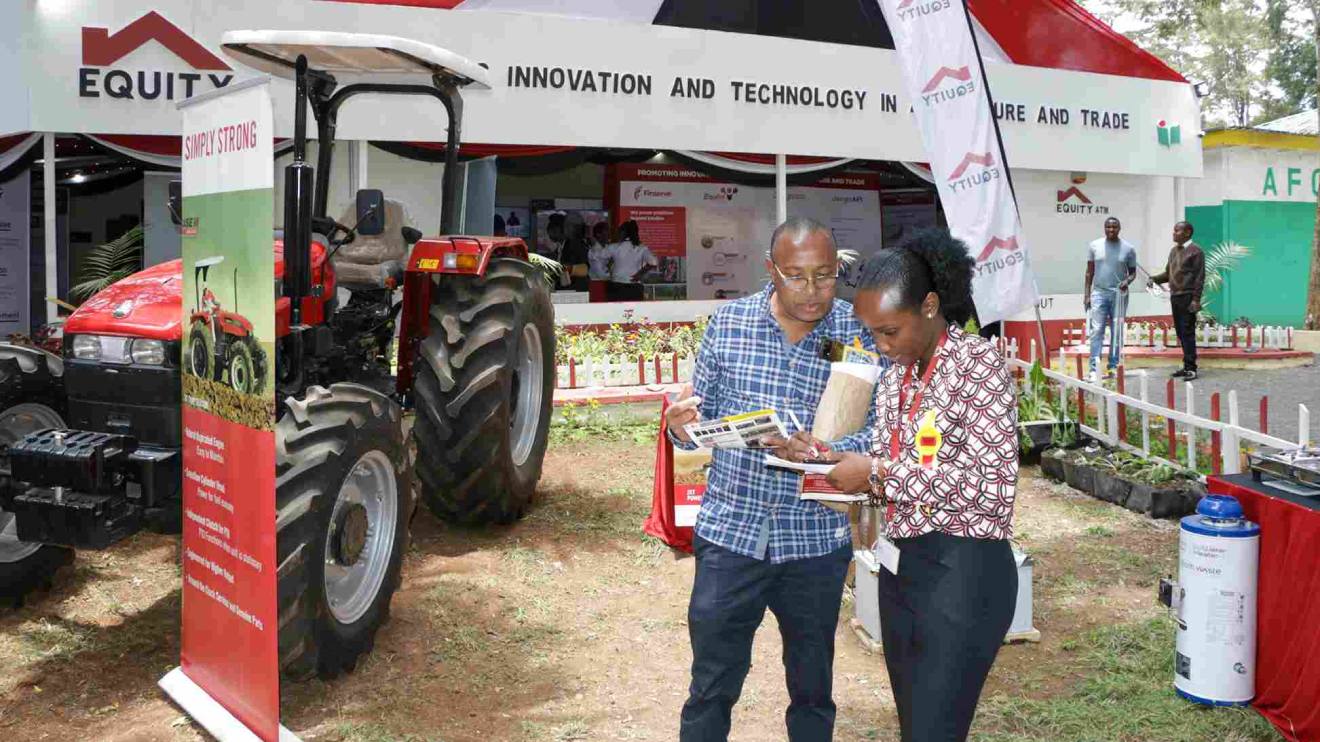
x: 626, y: 291
x: 729, y: 598
x: 1184, y: 323
x: 942, y: 621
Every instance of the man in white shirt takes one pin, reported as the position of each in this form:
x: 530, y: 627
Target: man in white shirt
x: 630, y: 260
x: 598, y: 254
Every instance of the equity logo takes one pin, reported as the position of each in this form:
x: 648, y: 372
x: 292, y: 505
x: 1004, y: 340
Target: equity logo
x: 967, y: 175
x: 911, y: 9
x: 950, y: 83
x: 1168, y: 135
x: 1073, y: 201
x: 995, y: 245
x: 991, y: 261
x: 103, y: 49
x: 726, y: 194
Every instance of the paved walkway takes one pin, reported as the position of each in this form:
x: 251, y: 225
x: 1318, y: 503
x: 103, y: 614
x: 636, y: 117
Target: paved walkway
x: 1286, y: 388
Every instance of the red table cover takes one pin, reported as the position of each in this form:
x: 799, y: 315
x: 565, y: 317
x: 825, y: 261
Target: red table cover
x: 1287, y: 605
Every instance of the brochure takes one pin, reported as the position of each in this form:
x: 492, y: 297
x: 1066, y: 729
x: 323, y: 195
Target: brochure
x: 737, y: 431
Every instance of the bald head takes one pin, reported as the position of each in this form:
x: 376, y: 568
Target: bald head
x: 797, y: 232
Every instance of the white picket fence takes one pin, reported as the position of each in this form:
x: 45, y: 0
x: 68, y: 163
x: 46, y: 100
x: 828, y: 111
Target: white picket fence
x: 1157, y: 335
x: 667, y: 368
x: 1226, y: 433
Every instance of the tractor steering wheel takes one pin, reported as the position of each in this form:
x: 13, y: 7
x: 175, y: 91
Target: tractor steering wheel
x: 335, y: 233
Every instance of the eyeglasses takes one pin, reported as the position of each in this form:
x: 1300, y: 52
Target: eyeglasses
x: 804, y: 283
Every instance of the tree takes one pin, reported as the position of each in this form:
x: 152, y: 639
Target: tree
x: 1292, y: 61
x: 1220, y: 42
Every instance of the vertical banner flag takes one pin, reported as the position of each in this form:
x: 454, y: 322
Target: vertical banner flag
x: 945, y: 77
x: 15, y: 229
x: 229, y: 675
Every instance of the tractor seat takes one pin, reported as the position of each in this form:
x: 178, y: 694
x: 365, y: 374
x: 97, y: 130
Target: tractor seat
x: 370, y: 261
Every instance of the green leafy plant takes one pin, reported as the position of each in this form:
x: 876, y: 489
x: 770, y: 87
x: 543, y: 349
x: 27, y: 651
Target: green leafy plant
x: 108, y: 263
x: 552, y: 270
x: 1223, y: 259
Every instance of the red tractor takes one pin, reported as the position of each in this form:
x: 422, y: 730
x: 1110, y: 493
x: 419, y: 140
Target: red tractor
x: 221, y: 345
x: 90, y: 443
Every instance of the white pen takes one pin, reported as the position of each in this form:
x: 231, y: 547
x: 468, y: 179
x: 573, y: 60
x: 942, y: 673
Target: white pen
x: 815, y: 451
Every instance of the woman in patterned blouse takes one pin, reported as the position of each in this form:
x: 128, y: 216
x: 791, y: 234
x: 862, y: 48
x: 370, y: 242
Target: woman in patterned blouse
x: 944, y: 469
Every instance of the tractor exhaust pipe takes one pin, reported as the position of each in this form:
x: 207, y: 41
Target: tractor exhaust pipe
x: 298, y: 186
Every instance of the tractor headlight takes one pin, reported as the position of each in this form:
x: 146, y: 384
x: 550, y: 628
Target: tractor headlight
x: 279, y: 287
x: 87, y: 347
x: 148, y: 352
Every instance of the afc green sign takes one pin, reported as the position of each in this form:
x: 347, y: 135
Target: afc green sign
x: 1291, y: 180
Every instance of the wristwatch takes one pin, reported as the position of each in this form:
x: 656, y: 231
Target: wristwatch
x: 876, y: 480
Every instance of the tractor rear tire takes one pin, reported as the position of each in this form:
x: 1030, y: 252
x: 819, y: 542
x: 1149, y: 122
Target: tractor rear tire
x: 483, y: 386
x: 30, y: 400
x: 201, y: 352
x: 344, y: 500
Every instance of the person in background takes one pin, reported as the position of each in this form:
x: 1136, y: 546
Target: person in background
x: 499, y: 230
x: 629, y: 261
x: 943, y: 467
x: 1110, y: 267
x: 575, y: 259
x: 757, y: 544
x: 555, y: 235
x: 1185, y: 275
x: 598, y: 252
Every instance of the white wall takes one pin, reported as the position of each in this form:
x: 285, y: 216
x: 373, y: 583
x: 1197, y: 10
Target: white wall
x: 414, y: 184
x: 1058, y: 241
x: 13, y: 75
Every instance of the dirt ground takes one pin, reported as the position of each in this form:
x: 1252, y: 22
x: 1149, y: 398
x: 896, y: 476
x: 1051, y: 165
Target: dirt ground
x: 566, y: 626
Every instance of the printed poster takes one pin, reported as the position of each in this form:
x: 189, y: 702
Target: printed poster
x: 15, y: 231
x: 230, y: 627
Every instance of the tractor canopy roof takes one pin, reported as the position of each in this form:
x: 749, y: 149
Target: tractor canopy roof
x: 353, y: 57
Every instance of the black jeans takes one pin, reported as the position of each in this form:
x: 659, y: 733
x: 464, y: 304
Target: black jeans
x: 729, y: 598
x: 943, y: 618
x: 1184, y: 323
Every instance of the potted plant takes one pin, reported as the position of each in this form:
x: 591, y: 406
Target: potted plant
x: 1154, y: 478
x: 1040, y: 424
x: 1051, y: 463
x: 1079, y: 472
x: 1112, y: 482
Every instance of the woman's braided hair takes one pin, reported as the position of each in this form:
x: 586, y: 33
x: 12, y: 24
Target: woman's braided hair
x: 929, y: 260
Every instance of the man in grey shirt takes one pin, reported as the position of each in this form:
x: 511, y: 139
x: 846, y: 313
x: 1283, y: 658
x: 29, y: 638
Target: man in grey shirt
x: 1111, y: 265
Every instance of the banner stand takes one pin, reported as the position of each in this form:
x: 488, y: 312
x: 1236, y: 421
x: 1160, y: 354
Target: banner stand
x: 206, y: 711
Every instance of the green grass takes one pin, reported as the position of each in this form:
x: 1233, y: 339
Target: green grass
x: 1125, y: 695
x: 367, y: 732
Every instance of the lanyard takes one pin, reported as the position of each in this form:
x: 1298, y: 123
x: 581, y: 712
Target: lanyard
x: 895, y: 444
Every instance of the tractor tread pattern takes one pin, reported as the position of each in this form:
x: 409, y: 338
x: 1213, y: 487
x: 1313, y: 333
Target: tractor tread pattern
x: 317, y: 442
x: 29, y: 375
x: 462, y: 393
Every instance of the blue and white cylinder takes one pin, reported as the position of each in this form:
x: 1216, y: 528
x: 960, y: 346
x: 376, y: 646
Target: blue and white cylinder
x: 1218, y: 554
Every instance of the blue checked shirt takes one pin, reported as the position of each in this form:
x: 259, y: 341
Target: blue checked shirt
x: 746, y: 363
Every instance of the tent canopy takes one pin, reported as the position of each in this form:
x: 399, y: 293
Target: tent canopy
x: 1041, y: 33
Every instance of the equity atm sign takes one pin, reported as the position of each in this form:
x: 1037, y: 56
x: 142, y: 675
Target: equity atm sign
x: 103, y: 75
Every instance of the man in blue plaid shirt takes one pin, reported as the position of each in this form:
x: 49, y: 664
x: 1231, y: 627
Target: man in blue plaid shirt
x: 757, y: 544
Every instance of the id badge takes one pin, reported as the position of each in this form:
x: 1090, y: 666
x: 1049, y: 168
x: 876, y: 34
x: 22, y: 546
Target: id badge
x: 887, y: 554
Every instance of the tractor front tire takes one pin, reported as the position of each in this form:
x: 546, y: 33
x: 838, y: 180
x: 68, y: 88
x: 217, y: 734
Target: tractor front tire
x: 483, y: 387
x: 30, y: 400
x: 344, y: 500
x: 201, y: 352
x: 241, y: 364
